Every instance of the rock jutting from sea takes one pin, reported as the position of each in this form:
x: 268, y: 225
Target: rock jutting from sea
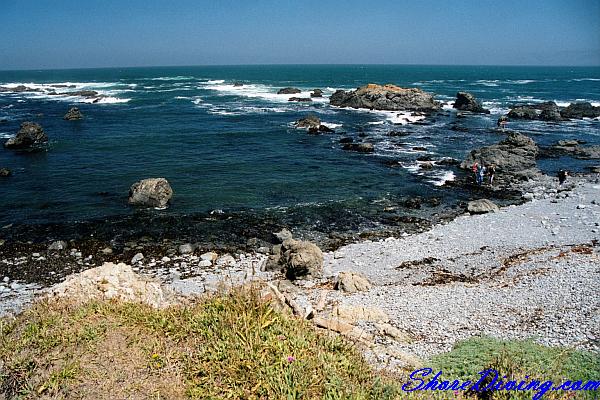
x: 385, y: 97
x: 151, y: 192
x: 467, y: 102
x: 30, y: 134
x: 550, y: 111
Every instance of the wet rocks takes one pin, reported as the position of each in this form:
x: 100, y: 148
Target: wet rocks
x: 82, y: 93
x: 482, y: 206
x: 151, y: 192
x: 73, y: 114
x: 580, y: 110
x: 301, y: 259
x: 316, y: 93
x: 571, y: 148
x: 300, y: 99
x: 289, y: 90
x: 467, y: 102
x: 4, y: 172
x: 359, y: 147
x: 238, y: 84
x: 30, y: 134
x: 352, y: 282
x: 311, y: 121
x: 514, y: 157
x: 386, y: 97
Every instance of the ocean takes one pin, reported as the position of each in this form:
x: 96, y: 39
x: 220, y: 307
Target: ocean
x: 233, y: 150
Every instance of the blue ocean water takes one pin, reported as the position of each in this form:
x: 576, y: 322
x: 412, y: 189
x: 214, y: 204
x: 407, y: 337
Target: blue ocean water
x: 227, y: 147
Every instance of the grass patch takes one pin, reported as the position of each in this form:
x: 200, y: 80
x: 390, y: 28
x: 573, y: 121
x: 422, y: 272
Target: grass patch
x: 228, y: 346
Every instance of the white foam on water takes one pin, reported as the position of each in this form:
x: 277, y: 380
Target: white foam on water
x: 448, y: 105
x: 485, y: 82
x: 442, y: 177
x: 522, y: 81
x: 106, y: 91
x: 376, y: 123
x: 6, y: 135
x: 331, y: 125
x: 215, y: 81
x: 170, y: 78
x: 585, y: 79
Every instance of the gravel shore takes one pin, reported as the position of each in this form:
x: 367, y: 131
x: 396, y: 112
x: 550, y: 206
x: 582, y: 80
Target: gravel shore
x: 527, y: 271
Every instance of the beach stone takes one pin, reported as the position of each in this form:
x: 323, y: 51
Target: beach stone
x: 354, y: 314
x: 57, y: 245
x: 4, y: 172
x: 137, y: 258
x: 467, y: 102
x: 151, y: 192
x: 283, y: 235
x: 165, y: 259
x: 482, y: 206
x: 111, y: 281
x: 210, y: 256
x: 273, y: 263
x: 186, y: 248
x: 205, y: 263
x: 225, y: 261
x: 29, y: 134
x: 301, y: 259
x: 385, y: 97
x: 352, y: 282
x: 393, y: 332
x: 73, y: 114
x: 107, y: 251
x: 289, y: 90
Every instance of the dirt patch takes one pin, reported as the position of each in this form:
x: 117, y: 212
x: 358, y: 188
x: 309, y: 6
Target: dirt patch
x: 443, y: 276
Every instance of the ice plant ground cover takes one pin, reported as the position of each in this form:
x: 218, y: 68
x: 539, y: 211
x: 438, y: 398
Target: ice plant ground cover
x: 231, y: 346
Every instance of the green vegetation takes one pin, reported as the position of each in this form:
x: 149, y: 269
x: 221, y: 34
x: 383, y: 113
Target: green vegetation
x: 226, y: 346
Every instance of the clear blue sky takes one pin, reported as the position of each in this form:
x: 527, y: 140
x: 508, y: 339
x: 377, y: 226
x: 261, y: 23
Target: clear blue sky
x: 100, y: 33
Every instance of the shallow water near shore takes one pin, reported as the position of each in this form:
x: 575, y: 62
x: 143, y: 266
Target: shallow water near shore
x: 234, y: 149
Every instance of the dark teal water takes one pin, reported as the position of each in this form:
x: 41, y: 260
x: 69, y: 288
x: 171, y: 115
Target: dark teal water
x: 234, y: 148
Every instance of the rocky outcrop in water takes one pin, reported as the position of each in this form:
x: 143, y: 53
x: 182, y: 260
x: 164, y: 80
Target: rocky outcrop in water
x: 359, y: 147
x: 514, y: 157
x: 550, y: 111
x: 17, y: 89
x: 289, y: 90
x: 82, y: 93
x: 4, y: 172
x: 311, y: 121
x: 316, y: 93
x: 151, y: 192
x: 580, y: 110
x: 30, y: 134
x: 467, y: 102
x: 300, y: 99
x: 73, y: 114
x: 387, y: 97
x: 570, y: 148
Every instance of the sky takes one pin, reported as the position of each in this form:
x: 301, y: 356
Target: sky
x: 46, y: 34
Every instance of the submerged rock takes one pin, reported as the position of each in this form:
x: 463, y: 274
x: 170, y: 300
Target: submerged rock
x: 73, y: 114
x: 151, y: 192
x: 359, y: 147
x: 482, y: 206
x: 289, y: 90
x: 386, y: 97
x: 30, y: 134
x: 467, y: 102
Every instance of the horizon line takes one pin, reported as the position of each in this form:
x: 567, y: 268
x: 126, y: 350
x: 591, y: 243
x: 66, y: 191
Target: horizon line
x: 301, y: 64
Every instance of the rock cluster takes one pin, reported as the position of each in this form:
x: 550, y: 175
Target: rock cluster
x: 313, y: 124
x: 151, y: 192
x: 550, y: 111
x: 386, y: 97
x: 289, y: 90
x: 30, y: 134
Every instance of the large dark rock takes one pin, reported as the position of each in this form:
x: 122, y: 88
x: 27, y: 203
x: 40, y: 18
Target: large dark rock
x: 29, y: 135
x: 82, y: 93
x: 4, y: 172
x: 387, y: 97
x: 289, y: 90
x: 547, y: 111
x: 580, y: 110
x: 514, y: 157
x: 467, y: 102
x: 571, y: 148
x: 523, y: 112
x: 301, y: 259
x: 73, y: 114
x: 316, y: 93
x: 311, y: 121
x: 151, y: 192
x: 17, y: 89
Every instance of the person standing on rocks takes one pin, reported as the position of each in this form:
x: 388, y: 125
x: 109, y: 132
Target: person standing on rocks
x: 562, y: 176
x: 491, y: 173
x: 480, y: 174
x: 475, y: 168
x: 502, y: 122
